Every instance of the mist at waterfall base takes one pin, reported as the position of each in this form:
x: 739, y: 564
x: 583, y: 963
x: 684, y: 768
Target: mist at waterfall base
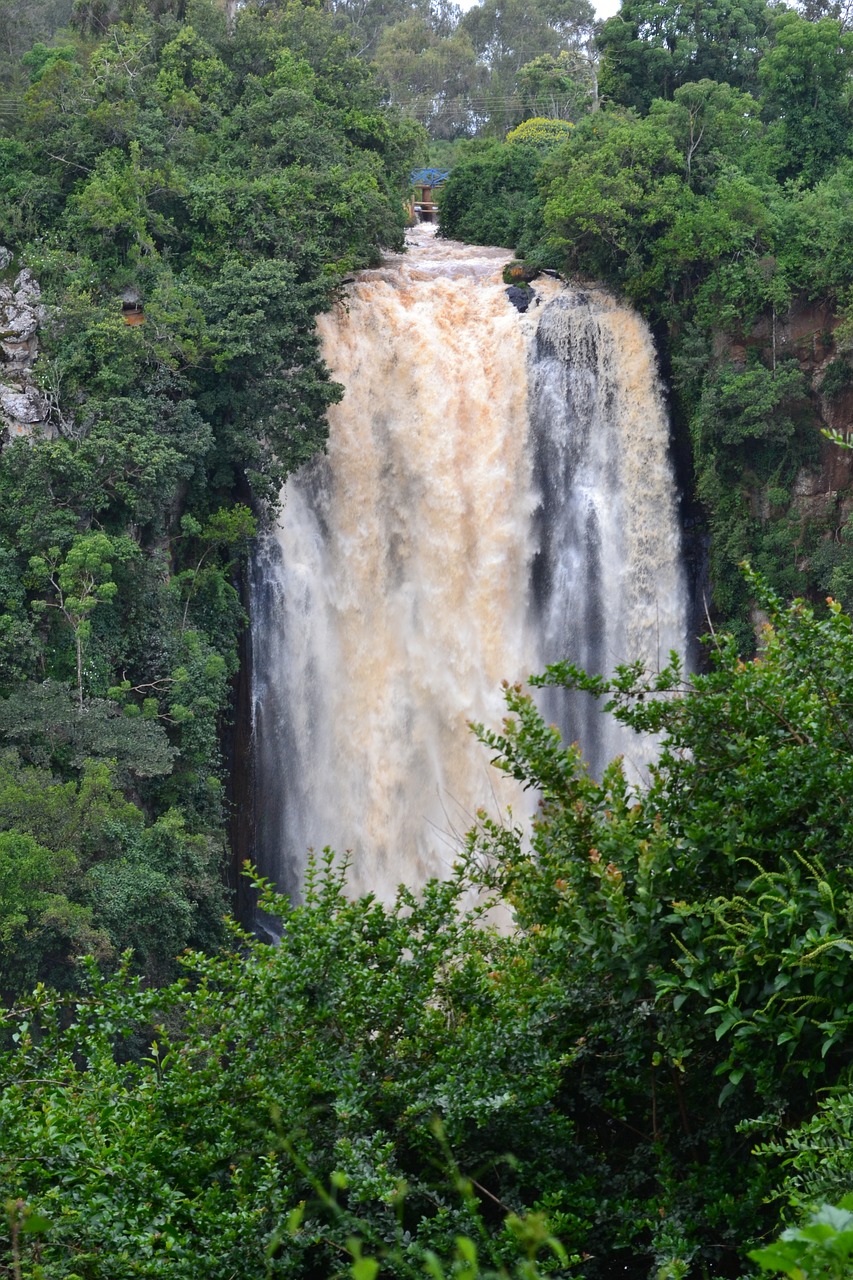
x: 496, y: 495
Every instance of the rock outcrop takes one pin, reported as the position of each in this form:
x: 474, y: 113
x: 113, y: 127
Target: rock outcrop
x: 520, y: 298
x: 24, y: 410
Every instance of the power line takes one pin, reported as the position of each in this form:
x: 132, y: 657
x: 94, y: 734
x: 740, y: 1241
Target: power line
x: 493, y: 103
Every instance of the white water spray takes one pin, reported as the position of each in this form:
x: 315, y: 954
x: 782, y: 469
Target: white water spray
x: 496, y: 495
x: 607, y: 579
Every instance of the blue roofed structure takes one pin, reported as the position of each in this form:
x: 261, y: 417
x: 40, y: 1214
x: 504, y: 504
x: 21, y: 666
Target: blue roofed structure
x: 429, y: 177
x: 425, y: 184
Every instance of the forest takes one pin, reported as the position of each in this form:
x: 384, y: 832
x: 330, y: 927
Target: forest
x: 650, y: 1074
x: 709, y: 182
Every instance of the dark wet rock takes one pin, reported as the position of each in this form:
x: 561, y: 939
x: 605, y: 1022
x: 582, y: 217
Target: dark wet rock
x: 520, y: 296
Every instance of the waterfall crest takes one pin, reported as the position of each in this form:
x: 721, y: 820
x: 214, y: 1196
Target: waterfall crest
x: 494, y: 483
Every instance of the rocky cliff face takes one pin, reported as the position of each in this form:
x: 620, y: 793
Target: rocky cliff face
x: 824, y: 489
x: 24, y: 410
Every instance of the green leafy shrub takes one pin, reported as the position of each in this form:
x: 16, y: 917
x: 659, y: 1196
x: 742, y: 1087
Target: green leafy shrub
x: 539, y: 131
x: 837, y: 377
x: 821, y: 1249
x: 493, y: 198
x: 693, y: 937
x: 177, y: 1131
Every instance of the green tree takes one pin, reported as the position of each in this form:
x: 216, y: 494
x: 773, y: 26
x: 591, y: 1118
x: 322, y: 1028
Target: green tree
x: 366, y: 21
x: 120, y: 882
x: 650, y: 49
x: 79, y: 581
x: 493, y: 199
x: 23, y: 28
x: 45, y: 724
x: 277, y: 1073
x: 805, y: 78
x: 562, y: 86
x: 41, y: 57
x: 434, y: 77
x: 229, y: 528
x: 610, y: 194
x: 715, y: 127
x: 509, y: 36
x: 38, y: 924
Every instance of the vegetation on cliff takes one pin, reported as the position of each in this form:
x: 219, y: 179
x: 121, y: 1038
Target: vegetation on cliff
x: 654, y: 1064
x: 214, y: 185
x: 713, y: 188
x: 636, y: 1078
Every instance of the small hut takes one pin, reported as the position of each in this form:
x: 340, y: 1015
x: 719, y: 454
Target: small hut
x: 425, y: 186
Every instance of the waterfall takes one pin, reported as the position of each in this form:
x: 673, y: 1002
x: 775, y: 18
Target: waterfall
x: 496, y: 494
x: 607, y: 579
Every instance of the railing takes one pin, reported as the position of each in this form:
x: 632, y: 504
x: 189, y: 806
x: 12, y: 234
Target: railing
x: 426, y: 210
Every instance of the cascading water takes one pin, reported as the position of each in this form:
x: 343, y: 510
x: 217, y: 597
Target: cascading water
x: 607, y: 581
x: 496, y: 495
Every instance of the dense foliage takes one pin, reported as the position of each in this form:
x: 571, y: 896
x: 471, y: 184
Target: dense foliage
x: 458, y: 73
x: 485, y: 70
x: 222, y: 181
x: 713, y: 189
x: 653, y: 1062
x: 613, y: 1083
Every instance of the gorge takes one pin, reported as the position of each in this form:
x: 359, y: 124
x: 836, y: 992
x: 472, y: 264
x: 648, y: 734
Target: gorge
x: 497, y: 494
x: 643, y: 1069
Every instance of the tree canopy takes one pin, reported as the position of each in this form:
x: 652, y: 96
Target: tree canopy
x: 655, y: 1057
x: 709, y: 182
x: 622, y: 1079
x: 223, y: 180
